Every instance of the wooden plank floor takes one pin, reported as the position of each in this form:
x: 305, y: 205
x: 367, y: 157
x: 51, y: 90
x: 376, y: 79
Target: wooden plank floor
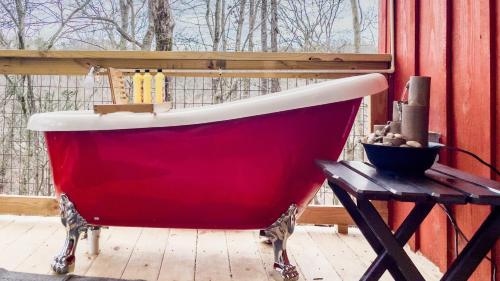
x: 28, y: 244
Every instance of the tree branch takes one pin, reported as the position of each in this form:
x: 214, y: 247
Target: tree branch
x: 117, y: 27
x: 56, y: 34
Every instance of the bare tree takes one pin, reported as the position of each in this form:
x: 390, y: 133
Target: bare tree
x: 364, y: 23
x: 20, y: 22
x: 299, y: 25
x: 217, y: 23
x: 251, y: 28
x: 356, y: 25
x: 251, y: 24
x: 64, y: 22
x: 147, y: 40
x: 17, y: 12
x: 4, y: 42
x: 239, y: 29
x: 223, y: 24
x: 214, y: 23
x: 119, y: 23
x: 263, y: 38
x: 124, y: 19
x: 310, y: 24
x: 54, y: 13
x: 163, y: 24
x: 275, y: 82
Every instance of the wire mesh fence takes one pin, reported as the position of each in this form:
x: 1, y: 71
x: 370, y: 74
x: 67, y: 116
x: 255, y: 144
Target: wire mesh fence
x: 24, y: 165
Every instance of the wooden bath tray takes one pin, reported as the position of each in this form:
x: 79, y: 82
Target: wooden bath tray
x: 136, y: 108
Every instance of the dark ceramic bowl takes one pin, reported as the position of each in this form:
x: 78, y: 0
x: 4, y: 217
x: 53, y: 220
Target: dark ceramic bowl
x: 405, y: 160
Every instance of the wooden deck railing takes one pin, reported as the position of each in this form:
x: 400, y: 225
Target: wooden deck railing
x: 240, y: 64
x: 198, y: 64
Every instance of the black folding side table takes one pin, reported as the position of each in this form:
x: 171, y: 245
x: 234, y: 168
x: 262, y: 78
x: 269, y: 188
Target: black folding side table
x: 356, y: 183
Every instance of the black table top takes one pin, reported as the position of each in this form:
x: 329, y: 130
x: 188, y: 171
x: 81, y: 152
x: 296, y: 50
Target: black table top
x: 440, y: 183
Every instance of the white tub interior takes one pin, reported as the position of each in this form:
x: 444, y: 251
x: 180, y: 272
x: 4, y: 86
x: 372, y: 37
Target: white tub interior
x: 306, y: 96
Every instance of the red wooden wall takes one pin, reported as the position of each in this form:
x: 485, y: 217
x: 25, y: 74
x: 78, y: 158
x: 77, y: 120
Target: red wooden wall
x: 456, y: 43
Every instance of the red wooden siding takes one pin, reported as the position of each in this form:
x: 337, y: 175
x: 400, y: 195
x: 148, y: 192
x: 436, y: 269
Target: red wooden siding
x: 432, y: 60
x: 496, y: 110
x: 406, y: 62
x: 456, y: 43
x: 496, y: 105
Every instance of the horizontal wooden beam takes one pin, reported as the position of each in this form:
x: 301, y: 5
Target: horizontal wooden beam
x: 316, y: 214
x: 315, y: 74
x: 28, y: 205
x: 78, y: 62
x: 175, y: 55
x: 48, y: 206
x: 325, y: 215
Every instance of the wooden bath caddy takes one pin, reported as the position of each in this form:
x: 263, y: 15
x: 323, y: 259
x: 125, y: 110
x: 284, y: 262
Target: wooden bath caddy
x: 120, y: 99
x: 137, y: 108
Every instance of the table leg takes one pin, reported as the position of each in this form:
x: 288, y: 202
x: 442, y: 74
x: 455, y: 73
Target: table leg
x: 477, y: 248
x: 388, y: 241
x: 369, y: 235
x: 403, y: 234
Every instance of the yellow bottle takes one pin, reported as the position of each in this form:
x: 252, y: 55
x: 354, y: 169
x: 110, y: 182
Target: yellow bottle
x: 146, y: 87
x: 159, y: 83
x: 137, y: 80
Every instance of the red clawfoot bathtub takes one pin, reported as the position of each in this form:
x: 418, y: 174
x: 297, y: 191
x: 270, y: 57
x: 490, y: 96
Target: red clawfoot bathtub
x: 239, y: 165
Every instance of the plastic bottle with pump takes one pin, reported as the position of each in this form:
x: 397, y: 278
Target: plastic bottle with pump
x: 137, y: 80
x: 146, y: 87
x: 159, y: 83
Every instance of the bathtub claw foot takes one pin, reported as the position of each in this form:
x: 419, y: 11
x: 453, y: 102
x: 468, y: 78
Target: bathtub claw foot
x: 278, y: 233
x: 288, y: 272
x: 75, y: 225
x: 61, y: 265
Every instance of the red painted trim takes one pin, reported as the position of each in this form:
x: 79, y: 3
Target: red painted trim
x: 493, y: 81
x: 449, y: 76
x: 450, y: 255
x: 383, y: 27
x: 416, y: 66
x: 417, y: 24
x: 493, y: 104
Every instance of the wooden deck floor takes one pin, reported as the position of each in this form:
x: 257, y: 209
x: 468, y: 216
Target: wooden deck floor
x: 28, y: 244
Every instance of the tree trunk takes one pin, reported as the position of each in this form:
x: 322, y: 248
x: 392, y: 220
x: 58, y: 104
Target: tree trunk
x: 263, y: 39
x: 251, y: 24
x: 21, y: 14
x: 356, y: 25
x: 124, y: 18
x: 161, y: 10
x: 251, y: 27
x: 274, y: 25
x: 130, y: 4
x: 163, y: 24
x: 237, y: 44
x: 217, y: 25
x: 223, y: 26
x: 275, y: 82
x: 239, y: 30
x: 147, y: 41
